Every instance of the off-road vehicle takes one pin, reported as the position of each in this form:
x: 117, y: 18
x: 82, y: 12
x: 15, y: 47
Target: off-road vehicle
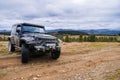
x: 32, y: 39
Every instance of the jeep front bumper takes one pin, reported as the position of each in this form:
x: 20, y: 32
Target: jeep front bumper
x: 47, y: 48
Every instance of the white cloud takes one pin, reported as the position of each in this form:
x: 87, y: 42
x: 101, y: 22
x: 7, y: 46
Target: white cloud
x: 66, y: 14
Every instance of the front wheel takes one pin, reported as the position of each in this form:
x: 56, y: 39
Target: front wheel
x: 25, y: 54
x: 55, y: 54
x: 11, y: 47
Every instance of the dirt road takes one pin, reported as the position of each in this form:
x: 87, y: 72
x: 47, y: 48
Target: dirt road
x: 78, y: 61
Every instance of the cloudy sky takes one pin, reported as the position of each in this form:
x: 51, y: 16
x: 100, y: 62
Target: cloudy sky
x: 65, y: 14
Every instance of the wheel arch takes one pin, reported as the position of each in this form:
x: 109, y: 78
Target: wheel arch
x: 22, y: 41
x: 8, y: 39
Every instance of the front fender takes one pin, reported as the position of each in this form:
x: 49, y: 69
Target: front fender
x: 22, y: 41
x: 27, y: 40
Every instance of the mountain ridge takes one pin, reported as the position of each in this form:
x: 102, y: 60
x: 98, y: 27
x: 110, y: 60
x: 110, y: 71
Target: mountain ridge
x: 89, y: 31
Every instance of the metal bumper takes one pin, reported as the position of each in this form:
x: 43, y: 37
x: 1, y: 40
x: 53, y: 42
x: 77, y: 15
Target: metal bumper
x: 47, y: 48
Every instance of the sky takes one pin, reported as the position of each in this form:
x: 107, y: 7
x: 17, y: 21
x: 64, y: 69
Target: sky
x: 61, y: 14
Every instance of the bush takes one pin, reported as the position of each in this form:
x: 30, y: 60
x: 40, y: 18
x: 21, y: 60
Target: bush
x: 92, y: 38
x: 80, y: 39
x: 67, y: 39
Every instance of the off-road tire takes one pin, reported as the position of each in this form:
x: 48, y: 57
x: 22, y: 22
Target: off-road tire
x: 11, y: 47
x: 55, y: 54
x: 25, y: 54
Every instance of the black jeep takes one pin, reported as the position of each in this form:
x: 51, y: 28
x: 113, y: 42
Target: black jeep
x: 32, y: 39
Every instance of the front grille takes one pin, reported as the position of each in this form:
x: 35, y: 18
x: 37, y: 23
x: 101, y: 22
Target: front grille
x: 42, y: 41
x: 49, y: 40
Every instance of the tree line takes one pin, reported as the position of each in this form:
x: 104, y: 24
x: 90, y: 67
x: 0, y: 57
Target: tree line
x: 80, y: 38
x: 89, y: 38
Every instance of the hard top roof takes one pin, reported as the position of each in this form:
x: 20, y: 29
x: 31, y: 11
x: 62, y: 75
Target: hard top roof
x: 29, y: 24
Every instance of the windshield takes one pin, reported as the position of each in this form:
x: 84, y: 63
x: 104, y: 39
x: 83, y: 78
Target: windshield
x: 32, y: 29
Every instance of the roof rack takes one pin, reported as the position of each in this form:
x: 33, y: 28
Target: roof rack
x: 29, y: 24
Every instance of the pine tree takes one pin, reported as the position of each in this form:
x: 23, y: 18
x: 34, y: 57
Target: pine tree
x: 92, y: 38
x: 80, y: 38
x: 67, y: 39
x: 85, y: 38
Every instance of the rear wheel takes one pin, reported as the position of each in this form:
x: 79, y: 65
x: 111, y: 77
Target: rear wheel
x: 55, y: 54
x: 25, y: 54
x: 11, y: 47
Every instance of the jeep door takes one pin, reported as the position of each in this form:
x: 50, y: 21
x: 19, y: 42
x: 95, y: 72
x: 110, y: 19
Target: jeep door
x: 13, y: 32
x: 17, y: 35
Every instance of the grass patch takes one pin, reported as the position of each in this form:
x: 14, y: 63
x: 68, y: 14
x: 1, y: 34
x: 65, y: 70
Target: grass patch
x: 3, y: 73
x: 96, y: 46
x: 114, y: 76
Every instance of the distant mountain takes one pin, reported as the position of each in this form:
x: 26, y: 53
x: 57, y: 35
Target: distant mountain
x: 56, y: 30
x: 66, y: 31
x: 92, y: 31
x: 102, y: 32
x: 72, y: 32
x: 6, y: 32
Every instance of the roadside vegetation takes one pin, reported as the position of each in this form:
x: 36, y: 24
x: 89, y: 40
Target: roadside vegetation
x: 88, y: 38
x: 3, y: 37
x: 74, y: 36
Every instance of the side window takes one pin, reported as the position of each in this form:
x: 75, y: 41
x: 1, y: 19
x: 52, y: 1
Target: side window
x: 18, y: 28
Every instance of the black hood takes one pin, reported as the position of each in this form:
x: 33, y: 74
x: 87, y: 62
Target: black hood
x: 38, y: 35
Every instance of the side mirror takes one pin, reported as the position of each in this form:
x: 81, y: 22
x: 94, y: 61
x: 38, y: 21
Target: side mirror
x: 18, y: 31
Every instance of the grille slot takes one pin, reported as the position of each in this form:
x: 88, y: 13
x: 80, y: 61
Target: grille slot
x: 49, y: 40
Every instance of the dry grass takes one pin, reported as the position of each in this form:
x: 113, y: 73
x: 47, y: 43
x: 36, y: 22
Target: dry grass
x: 4, y: 37
x: 76, y: 36
x: 75, y: 47
x: 3, y: 73
x: 114, y: 76
x: 71, y: 48
x: 4, y: 49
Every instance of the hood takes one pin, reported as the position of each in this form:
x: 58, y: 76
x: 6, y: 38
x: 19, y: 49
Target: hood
x: 37, y: 35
